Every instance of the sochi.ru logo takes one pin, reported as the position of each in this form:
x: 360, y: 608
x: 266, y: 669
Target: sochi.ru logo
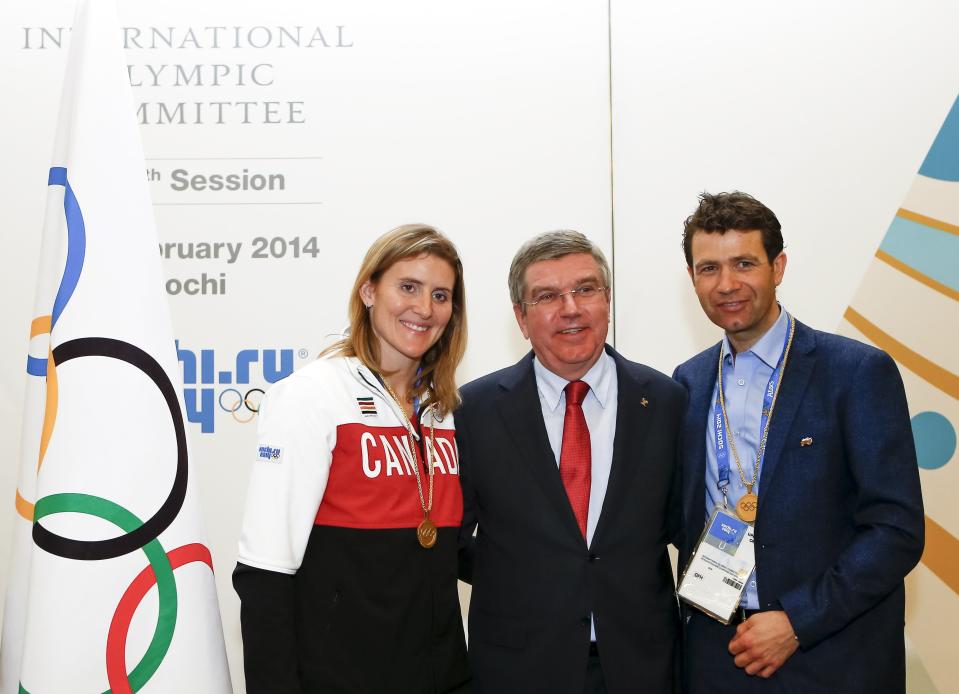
x: 202, y: 374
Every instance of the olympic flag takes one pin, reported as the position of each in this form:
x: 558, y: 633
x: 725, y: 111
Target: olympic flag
x: 112, y: 586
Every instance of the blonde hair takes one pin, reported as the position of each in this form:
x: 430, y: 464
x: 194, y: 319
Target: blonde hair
x: 436, y: 381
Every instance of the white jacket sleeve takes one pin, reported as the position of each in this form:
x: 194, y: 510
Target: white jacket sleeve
x: 295, y: 442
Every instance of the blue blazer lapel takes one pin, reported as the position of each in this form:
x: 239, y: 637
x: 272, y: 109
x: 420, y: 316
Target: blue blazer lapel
x: 694, y: 444
x: 632, y: 426
x: 795, y: 379
x: 522, y: 417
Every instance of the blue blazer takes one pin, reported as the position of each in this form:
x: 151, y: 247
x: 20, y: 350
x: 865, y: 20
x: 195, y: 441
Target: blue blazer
x: 535, y: 582
x: 840, y: 520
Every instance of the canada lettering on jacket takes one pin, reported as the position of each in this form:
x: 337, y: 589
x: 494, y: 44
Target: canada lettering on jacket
x: 390, y: 455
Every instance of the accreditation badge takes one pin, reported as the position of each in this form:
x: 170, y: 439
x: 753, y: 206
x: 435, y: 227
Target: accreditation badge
x: 715, y: 577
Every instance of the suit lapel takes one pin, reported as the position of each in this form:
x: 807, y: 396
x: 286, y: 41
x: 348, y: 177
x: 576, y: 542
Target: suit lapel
x: 522, y: 417
x: 793, y: 384
x: 632, y: 426
x: 701, y: 387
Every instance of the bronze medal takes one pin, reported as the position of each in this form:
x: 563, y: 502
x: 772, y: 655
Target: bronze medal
x: 426, y: 533
x: 426, y: 530
x: 747, y: 506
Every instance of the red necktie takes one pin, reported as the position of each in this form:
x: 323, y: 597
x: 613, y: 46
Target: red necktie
x: 574, y: 458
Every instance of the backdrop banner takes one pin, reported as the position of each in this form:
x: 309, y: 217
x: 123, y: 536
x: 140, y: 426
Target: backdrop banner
x: 280, y: 140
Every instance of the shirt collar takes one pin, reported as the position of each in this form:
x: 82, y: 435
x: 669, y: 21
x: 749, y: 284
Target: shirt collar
x: 770, y: 346
x: 599, y: 378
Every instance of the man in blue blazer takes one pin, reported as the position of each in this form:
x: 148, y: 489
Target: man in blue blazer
x: 814, y: 428
x: 568, y: 466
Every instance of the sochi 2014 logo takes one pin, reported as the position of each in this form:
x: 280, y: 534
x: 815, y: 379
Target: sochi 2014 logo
x: 208, y: 389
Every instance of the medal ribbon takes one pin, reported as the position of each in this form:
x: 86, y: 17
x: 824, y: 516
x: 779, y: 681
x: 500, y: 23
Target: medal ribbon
x: 415, y: 449
x: 720, y: 428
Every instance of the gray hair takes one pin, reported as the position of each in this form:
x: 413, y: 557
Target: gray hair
x: 549, y: 246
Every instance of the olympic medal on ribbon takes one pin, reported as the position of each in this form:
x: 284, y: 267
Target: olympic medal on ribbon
x: 747, y: 506
x: 426, y: 533
x: 426, y: 530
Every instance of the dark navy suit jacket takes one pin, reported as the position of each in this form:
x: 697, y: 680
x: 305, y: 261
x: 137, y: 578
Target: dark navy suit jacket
x: 535, y: 582
x: 840, y: 520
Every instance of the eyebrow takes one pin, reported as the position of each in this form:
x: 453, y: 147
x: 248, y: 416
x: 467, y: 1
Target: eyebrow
x: 550, y: 288
x: 413, y: 280
x: 735, y: 259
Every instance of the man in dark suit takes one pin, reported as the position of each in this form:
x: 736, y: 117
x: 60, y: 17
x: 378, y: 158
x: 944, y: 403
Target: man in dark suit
x: 568, y: 461
x: 818, y: 431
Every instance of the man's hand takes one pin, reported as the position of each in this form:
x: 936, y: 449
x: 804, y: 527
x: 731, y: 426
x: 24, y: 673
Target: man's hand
x: 763, y: 643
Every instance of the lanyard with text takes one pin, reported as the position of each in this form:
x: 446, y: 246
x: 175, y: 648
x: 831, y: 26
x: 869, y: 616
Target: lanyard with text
x: 748, y: 504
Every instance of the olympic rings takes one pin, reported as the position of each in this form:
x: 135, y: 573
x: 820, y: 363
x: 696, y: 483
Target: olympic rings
x: 242, y: 400
x: 120, y: 682
x: 137, y: 534
x: 57, y: 503
x: 246, y: 399
x: 76, y: 241
x: 235, y: 407
x: 159, y: 566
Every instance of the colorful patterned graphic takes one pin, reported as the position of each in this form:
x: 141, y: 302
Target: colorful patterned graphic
x: 908, y: 305
x: 42, y: 325
x: 105, y: 462
x: 137, y: 533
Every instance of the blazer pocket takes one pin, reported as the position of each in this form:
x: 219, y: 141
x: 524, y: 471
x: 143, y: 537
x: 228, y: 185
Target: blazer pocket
x: 498, y: 630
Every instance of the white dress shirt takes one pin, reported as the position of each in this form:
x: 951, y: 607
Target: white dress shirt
x: 599, y: 408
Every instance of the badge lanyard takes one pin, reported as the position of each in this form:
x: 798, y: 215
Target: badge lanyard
x: 721, y: 430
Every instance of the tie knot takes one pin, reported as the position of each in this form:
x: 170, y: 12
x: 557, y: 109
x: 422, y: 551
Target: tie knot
x: 576, y: 392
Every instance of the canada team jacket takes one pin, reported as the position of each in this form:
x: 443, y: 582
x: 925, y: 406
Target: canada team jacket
x: 336, y: 593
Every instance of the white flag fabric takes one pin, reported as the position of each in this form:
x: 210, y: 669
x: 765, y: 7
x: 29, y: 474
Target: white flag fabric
x: 112, y: 586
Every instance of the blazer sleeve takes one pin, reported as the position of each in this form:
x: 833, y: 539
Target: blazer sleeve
x: 888, y: 517
x: 674, y: 520
x: 467, y: 541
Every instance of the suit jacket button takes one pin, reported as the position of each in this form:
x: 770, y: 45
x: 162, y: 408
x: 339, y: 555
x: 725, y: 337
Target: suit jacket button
x: 593, y: 557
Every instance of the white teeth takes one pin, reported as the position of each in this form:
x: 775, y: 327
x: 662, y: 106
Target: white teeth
x: 413, y: 326
x: 570, y: 331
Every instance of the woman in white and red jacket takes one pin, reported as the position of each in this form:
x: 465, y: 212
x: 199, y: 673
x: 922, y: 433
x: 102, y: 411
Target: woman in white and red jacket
x: 347, y: 563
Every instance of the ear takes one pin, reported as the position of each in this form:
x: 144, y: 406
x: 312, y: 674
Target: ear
x: 779, y: 267
x: 692, y: 275
x: 520, y: 319
x: 368, y: 293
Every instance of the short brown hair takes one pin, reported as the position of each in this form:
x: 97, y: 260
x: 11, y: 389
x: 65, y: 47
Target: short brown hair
x: 734, y: 210
x: 437, y: 377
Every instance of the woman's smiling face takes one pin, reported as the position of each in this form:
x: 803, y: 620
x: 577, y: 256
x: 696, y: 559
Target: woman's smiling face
x: 412, y: 303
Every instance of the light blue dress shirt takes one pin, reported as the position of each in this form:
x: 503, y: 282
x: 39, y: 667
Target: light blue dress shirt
x: 744, y: 384
x: 599, y: 408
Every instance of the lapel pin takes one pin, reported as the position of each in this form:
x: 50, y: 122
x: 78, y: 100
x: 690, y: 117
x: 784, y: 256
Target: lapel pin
x: 644, y: 402
x: 806, y: 441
